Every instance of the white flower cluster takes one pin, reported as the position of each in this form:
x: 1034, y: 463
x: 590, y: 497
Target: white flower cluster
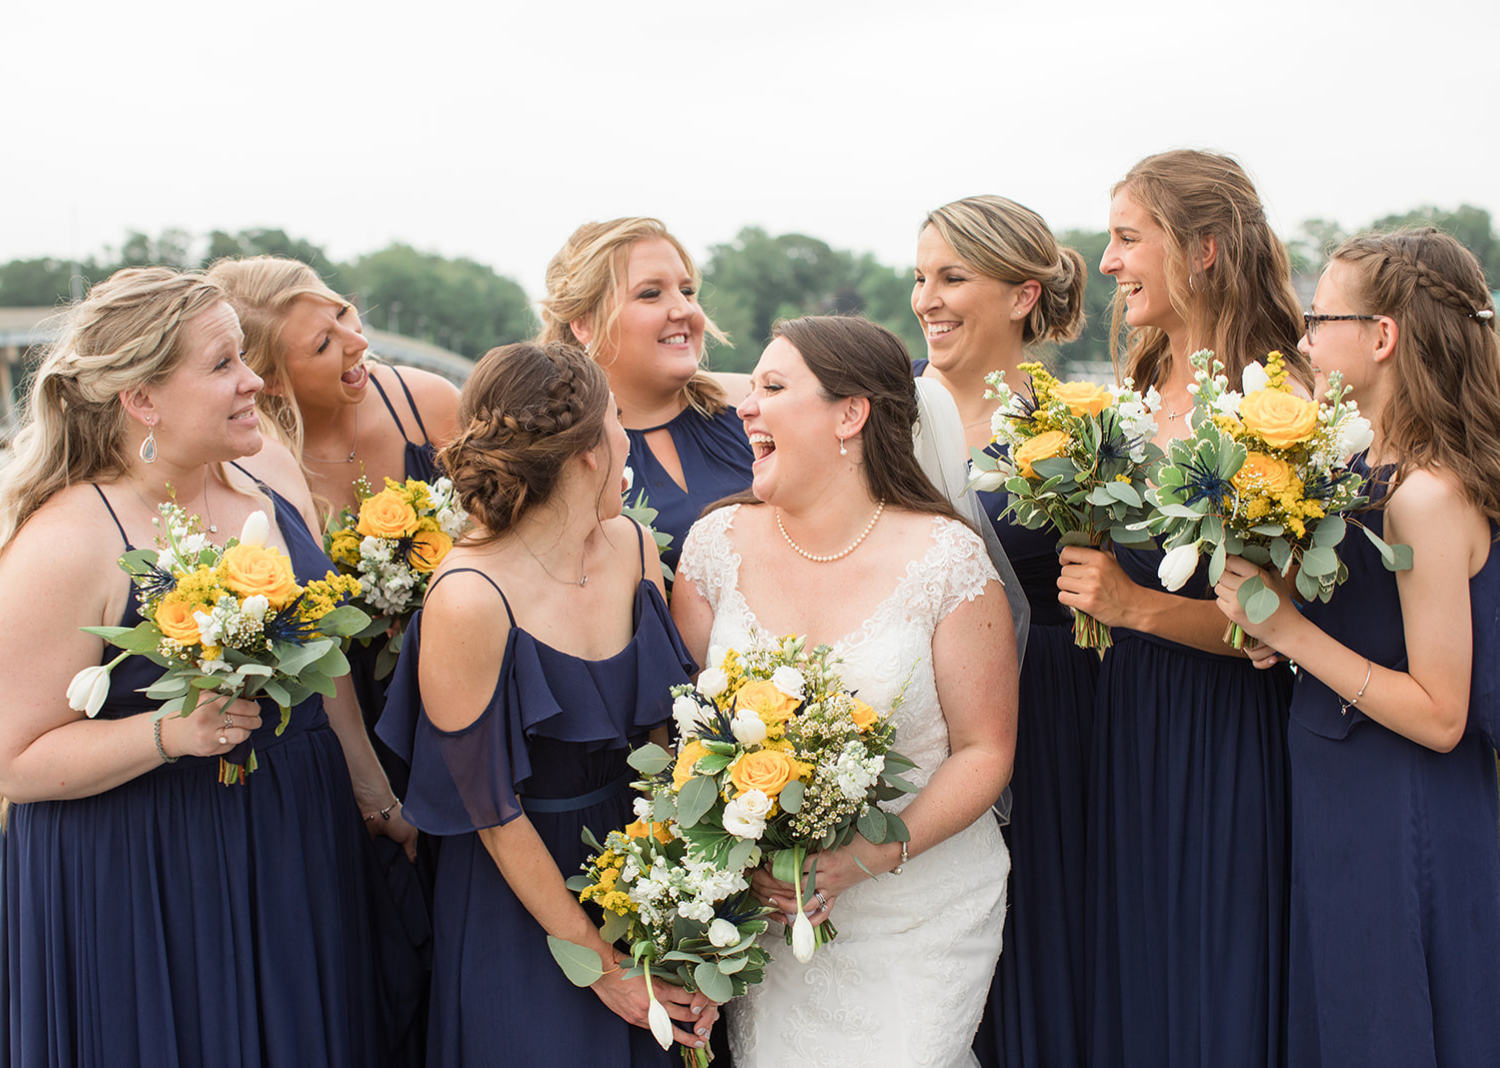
x: 1137, y: 416
x: 856, y: 771
x: 689, y: 889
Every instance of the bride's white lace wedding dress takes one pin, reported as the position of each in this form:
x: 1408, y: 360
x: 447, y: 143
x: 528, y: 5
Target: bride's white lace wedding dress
x: 905, y: 982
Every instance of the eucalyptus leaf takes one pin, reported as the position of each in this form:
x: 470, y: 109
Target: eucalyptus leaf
x: 790, y: 797
x: 713, y: 763
x: 168, y: 686
x: 649, y: 759
x: 695, y: 798
x: 1268, y: 530
x: 614, y: 927
x: 1320, y: 561
x: 1329, y: 531
x: 787, y: 863
x: 1100, y: 495
x: 1258, y: 555
x: 345, y: 621
x: 1124, y: 492
x: 730, y: 965
x: 1258, y: 600
x: 712, y: 982
x: 580, y: 965
x: 739, y: 855
x: 1307, y: 585
x: 1281, y: 554
x: 578, y: 883
x: 294, y: 658
x: 871, y: 824
x: 1216, y: 563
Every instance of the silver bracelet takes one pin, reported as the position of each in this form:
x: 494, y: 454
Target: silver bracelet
x: 1345, y: 706
x: 156, y: 733
x: 904, y: 858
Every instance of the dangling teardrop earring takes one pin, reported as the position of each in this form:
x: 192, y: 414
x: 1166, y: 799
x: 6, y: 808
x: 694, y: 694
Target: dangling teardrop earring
x: 148, y: 447
x: 842, y: 450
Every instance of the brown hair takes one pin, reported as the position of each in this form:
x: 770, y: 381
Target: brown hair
x: 853, y: 357
x: 1445, y: 410
x: 584, y: 281
x: 1243, y: 306
x: 1010, y: 243
x: 525, y: 411
x: 128, y: 332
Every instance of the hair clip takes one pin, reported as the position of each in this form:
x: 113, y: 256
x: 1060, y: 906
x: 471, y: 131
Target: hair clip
x: 1482, y: 315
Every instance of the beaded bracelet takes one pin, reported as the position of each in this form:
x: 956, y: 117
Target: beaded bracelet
x: 904, y: 858
x: 1345, y: 706
x: 384, y: 813
x: 156, y: 733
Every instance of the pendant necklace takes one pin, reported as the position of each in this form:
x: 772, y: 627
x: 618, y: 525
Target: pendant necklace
x: 579, y: 582
x: 341, y: 459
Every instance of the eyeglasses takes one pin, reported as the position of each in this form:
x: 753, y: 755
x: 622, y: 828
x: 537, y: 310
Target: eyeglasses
x: 1310, y: 321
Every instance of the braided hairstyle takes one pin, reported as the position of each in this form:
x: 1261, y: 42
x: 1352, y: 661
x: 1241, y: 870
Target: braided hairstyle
x: 128, y: 332
x: 1445, y: 411
x: 1243, y: 306
x: 585, y: 281
x: 525, y: 412
x: 1008, y: 242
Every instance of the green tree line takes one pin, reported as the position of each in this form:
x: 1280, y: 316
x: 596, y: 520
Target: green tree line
x: 749, y: 282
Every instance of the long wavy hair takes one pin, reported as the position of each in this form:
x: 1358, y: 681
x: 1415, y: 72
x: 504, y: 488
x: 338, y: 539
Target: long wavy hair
x: 126, y: 333
x: 1243, y: 306
x: 1445, y: 410
x: 584, y: 281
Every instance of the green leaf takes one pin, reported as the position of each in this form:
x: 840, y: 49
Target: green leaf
x: 1329, y: 531
x: 1124, y: 492
x: 739, y: 855
x: 895, y: 828
x: 614, y: 927
x: 345, y: 621
x: 1281, y: 554
x: 143, y: 638
x: 1258, y: 600
x: 1403, y: 557
x: 730, y: 965
x: 1320, y: 561
x: 791, y: 796
x: 273, y: 689
x: 1100, y: 495
x: 1127, y: 536
x: 334, y: 663
x: 1268, y: 530
x: 695, y: 798
x: 1055, y: 467
x: 1307, y: 585
x: 712, y: 982
x: 871, y: 824
x: 168, y: 686
x: 294, y: 658
x: 1216, y: 563
x: 578, y: 883
x: 787, y: 863
x: 649, y: 759
x: 580, y: 965
x: 713, y: 763
x: 1258, y: 555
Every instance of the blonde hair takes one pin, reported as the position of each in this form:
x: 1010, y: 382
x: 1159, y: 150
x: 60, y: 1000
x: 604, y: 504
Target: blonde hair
x: 585, y: 278
x: 1243, y: 306
x: 127, y: 333
x: 1011, y: 243
x: 1445, y: 410
x: 262, y: 289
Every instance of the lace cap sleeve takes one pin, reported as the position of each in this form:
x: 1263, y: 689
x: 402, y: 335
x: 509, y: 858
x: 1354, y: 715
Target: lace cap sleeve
x: 963, y: 564
x: 708, y: 559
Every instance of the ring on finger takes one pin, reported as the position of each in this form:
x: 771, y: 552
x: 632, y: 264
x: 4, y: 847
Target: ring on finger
x: 228, y: 722
x: 823, y: 901
x: 223, y: 740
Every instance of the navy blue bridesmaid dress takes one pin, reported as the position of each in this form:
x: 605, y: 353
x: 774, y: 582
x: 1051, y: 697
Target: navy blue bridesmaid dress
x: 173, y: 921
x: 715, y: 457
x: 1395, y: 933
x: 1034, y: 1016
x: 1187, y: 899
x: 551, y: 744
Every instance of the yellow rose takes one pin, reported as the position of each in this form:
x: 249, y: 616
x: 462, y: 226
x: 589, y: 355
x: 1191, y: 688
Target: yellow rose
x: 1264, y: 474
x: 863, y: 715
x: 428, y: 548
x: 250, y: 569
x: 1279, y: 419
x: 766, y: 701
x: 766, y: 770
x: 1042, y: 447
x: 642, y: 829
x: 175, y: 618
x: 1083, y: 398
x: 689, y: 755
x: 386, y: 515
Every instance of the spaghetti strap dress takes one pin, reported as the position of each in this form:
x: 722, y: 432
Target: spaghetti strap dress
x: 1034, y: 1015
x: 551, y: 745
x: 1395, y: 933
x: 173, y: 921
x: 1188, y: 879
x: 715, y: 457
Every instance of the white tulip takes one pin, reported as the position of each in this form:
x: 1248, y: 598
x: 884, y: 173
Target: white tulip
x: 255, y: 606
x: 87, y: 691
x: 629, y: 479
x: 256, y: 530
x: 748, y: 728
x: 688, y: 714
x: 661, y: 1024
x: 1355, y: 436
x: 1254, y: 377
x: 723, y: 933
x: 986, y: 481
x: 804, y: 941
x: 1178, y: 566
x: 712, y: 682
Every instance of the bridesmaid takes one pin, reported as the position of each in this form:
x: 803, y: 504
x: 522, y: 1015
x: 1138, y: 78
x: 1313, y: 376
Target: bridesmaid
x: 991, y: 280
x: 153, y: 915
x: 1187, y: 845
x: 543, y: 653
x: 626, y: 291
x: 1395, y: 934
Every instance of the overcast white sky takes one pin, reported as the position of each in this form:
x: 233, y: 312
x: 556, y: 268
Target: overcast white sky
x: 492, y: 129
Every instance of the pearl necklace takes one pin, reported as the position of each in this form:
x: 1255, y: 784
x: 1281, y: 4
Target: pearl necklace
x: 814, y: 557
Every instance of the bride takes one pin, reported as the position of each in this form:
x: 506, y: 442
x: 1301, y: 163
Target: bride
x: 845, y: 540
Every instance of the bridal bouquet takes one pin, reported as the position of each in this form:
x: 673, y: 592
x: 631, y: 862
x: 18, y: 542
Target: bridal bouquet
x: 1264, y: 475
x: 231, y: 620
x: 1074, y: 456
x: 392, y: 545
x: 687, y: 922
x: 776, y: 755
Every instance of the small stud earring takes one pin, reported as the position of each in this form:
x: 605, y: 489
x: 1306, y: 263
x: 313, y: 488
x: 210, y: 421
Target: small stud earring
x: 148, y: 447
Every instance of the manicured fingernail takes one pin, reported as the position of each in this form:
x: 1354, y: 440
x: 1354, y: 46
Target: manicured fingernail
x: 697, y: 1009
x: 697, y: 1045
x: 701, y: 1032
